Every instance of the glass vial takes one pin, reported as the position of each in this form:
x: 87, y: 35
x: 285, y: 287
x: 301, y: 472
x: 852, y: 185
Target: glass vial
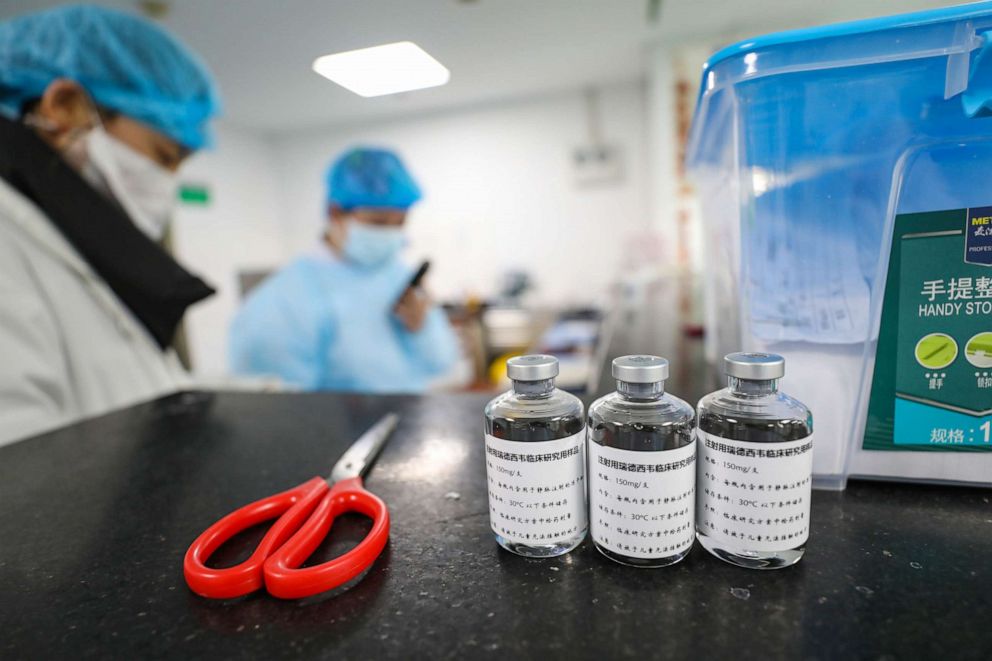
x: 535, y: 462
x: 755, y: 467
x: 642, y: 470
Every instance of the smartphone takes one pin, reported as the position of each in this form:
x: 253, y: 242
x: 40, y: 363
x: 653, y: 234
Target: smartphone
x: 417, y: 277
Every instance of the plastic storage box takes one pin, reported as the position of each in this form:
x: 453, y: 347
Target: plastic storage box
x: 806, y: 147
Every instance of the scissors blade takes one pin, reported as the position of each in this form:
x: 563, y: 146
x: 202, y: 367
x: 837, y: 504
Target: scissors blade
x: 357, y: 459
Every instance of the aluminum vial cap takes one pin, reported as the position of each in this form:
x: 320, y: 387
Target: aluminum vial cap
x: 535, y: 367
x: 754, y: 366
x: 640, y: 369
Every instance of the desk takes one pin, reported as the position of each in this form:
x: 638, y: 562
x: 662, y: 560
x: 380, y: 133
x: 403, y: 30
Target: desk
x: 95, y: 519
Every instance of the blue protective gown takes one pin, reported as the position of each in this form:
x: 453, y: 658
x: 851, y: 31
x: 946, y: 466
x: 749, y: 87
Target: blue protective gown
x: 322, y: 323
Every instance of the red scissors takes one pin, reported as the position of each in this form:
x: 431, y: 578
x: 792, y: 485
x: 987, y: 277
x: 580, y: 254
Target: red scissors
x: 304, y: 516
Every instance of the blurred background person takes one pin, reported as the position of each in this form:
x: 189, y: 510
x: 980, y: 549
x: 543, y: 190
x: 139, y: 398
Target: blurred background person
x: 345, y: 317
x: 101, y: 108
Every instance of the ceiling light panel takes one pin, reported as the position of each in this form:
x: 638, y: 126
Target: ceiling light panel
x: 382, y: 70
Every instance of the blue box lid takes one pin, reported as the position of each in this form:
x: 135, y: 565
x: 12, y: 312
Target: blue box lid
x: 851, y: 28
x: 952, y: 32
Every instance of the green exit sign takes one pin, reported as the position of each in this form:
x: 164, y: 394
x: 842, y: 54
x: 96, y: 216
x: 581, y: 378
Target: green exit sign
x: 194, y: 194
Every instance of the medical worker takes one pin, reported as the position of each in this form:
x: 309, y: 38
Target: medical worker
x: 343, y: 317
x: 100, y: 109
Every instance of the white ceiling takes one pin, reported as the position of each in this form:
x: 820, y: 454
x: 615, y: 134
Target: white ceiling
x: 261, y: 50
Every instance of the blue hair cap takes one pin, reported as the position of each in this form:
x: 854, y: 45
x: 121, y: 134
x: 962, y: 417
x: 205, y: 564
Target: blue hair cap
x: 124, y: 62
x: 369, y: 177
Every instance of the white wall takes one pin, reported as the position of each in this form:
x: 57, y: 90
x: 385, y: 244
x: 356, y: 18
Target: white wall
x: 661, y: 151
x: 499, y: 191
x: 500, y: 194
x: 239, y: 229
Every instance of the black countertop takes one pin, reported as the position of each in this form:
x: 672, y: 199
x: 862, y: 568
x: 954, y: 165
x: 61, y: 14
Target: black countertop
x: 95, y: 519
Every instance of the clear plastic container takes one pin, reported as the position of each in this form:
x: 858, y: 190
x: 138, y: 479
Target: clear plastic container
x: 804, y: 147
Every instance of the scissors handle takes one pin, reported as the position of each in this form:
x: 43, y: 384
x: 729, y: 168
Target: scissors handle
x: 284, y: 578
x: 292, y: 507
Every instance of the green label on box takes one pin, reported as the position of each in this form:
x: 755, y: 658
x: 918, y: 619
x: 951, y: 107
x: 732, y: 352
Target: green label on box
x: 932, y: 383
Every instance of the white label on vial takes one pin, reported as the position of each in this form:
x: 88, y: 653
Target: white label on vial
x: 755, y: 496
x: 641, y: 504
x: 537, y: 491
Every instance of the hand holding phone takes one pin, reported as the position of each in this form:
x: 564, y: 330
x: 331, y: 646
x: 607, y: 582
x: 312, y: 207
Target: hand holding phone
x: 413, y: 304
x: 419, y: 275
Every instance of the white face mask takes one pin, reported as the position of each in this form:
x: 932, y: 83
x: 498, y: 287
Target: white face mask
x: 372, y: 246
x: 145, y: 190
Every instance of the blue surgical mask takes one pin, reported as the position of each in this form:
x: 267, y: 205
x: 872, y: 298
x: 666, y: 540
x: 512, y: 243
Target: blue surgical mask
x: 372, y: 246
